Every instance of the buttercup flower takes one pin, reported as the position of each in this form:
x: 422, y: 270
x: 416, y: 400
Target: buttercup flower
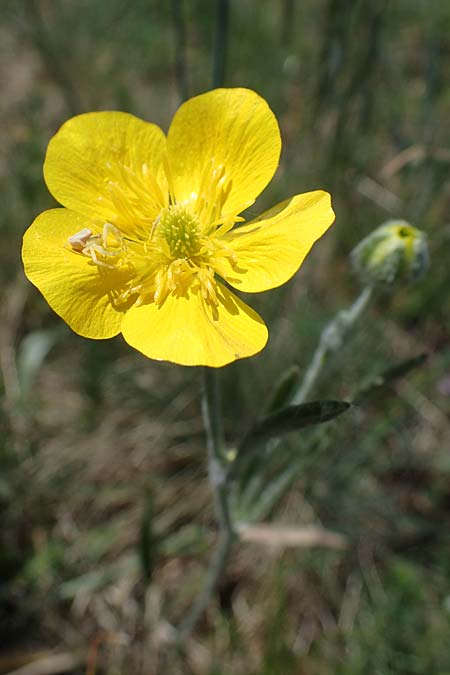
x: 149, y: 242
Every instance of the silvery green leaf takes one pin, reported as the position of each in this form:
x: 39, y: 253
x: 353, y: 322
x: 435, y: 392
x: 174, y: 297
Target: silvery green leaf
x: 292, y: 418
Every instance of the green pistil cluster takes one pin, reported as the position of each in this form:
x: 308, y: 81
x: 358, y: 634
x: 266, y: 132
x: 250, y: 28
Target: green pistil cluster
x: 180, y: 230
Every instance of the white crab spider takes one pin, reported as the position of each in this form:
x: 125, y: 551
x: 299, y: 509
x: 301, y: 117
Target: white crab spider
x: 79, y: 240
x: 91, y: 244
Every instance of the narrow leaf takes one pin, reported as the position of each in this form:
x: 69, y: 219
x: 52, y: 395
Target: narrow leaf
x: 148, y: 542
x: 292, y: 418
x: 284, y: 389
x: 387, y: 377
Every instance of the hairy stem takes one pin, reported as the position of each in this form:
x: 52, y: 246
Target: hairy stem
x: 220, y: 42
x: 330, y: 341
x: 212, y: 405
x: 212, y: 413
x: 181, y: 66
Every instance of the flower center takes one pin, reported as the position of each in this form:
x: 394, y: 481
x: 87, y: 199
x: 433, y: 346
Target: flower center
x: 178, y: 230
x: 180, y: 254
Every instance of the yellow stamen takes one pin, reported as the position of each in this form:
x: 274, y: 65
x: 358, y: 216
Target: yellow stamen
x: 180, y: 248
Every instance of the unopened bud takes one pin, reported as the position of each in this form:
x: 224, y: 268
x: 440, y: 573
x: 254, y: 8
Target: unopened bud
x: 394, y: 252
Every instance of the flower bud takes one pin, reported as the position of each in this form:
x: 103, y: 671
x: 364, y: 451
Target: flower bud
x: 394, y: 252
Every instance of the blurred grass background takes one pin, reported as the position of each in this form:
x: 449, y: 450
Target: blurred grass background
x: 105, y: 513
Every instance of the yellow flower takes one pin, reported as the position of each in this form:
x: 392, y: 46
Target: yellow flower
x: 148, y: 234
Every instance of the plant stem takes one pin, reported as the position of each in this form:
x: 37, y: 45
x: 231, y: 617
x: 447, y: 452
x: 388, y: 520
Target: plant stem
x: 287, y: 24
x: 218, y: 479
x: 212, y: 405
x: 179, y: 28
x: 220, y: 43
x: 330, y: 341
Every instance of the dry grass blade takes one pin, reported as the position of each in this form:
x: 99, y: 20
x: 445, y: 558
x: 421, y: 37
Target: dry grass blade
x: 53, y: 664
x: 287, y: 537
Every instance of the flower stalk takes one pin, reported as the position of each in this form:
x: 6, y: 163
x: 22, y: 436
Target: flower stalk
x: 217, y: 471
x: 212, y: 408
x: 394, y: 253
x: 220, y: 43
x: 330, y: 341
x: 180, y: 40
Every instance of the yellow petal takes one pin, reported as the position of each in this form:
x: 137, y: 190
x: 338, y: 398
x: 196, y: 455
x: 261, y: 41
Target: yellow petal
x: 271, y: 248
x: 108, y: 166
x: 187, y: 331
x: 233, y: 128
x: 72, y: 287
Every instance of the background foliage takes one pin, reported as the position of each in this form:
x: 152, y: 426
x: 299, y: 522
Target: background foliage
x: 106, y: 520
